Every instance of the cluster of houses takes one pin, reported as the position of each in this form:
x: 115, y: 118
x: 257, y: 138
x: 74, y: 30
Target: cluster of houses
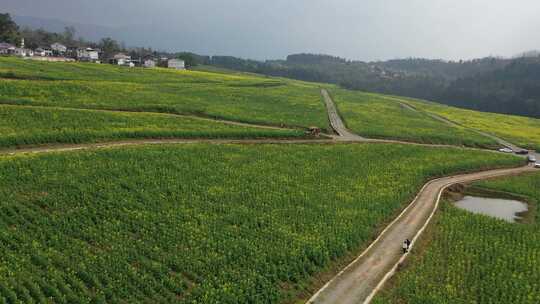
x: 60, y: 52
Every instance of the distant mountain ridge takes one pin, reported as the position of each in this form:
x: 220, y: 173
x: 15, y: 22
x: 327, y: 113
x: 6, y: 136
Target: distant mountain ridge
x: 501, y: 85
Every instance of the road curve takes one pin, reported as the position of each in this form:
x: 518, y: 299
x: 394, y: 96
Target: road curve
x: 361, y: 279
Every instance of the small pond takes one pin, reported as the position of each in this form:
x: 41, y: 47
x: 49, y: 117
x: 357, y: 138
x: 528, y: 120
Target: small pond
x: 505, y: 209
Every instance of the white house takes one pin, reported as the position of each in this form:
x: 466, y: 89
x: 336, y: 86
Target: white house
x: 22, y: 52
x: 43, y: 52
x: 149, y: 63
x: 6, y: 48
x: 121, y: 59
x: 59, y: 49
x: 87, y: 54
x: 177, y: 64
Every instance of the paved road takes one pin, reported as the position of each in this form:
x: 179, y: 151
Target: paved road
x: 356, y: 283
x: 336, y: 122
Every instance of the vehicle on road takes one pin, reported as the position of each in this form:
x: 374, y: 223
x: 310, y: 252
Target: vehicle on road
x: 531, y: 158
x: 537, y: 165
x: 506, y: 150
x: 522, y: 152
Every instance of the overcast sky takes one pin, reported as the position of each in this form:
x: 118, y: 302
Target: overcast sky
x: 355, y: 29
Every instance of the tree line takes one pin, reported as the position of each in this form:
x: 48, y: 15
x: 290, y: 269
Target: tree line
x: 508, y: 86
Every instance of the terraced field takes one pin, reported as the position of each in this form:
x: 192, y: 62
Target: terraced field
x: 472, y: 258
x: 200, y: 223
x: 237, y: 97
x: 210, y: 222
x: 32, y: 125
x: 372, y: 116
x: 522, y: 131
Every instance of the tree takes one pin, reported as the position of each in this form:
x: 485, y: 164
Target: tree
x: 69, y: 35
x: 188, y: 58
x: 109, y: 46
x: 9, y: 30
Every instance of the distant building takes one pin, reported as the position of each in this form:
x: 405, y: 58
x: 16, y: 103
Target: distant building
x: 87, y: 54
x: 58, y: 49
x: 121, y: 59
x: 6, y: 48
x: 149, y: 63
x: 22, y: 52
x: 176, y: 64
x: 43, y: 52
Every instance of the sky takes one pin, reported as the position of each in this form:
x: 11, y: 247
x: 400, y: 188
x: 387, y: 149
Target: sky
x: 364, y: 30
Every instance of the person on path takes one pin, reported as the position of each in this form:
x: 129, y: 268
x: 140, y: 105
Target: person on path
x: 408, y: 244
x: 405, y: 247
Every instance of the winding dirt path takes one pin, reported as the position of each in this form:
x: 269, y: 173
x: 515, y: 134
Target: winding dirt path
x: 140, y: 142
x: 361, y: 279
x: 162, y: 114
x: 365, y: 276
x: 499, y: 140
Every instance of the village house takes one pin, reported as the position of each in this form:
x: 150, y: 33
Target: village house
x: 87, y: 54
x: 6, y: 48
x: 58, y: 49
x: 149, y: 63
x: 23, y: 52
x: 176, y: 64
x: 43, y: 52
x: 120, y: 59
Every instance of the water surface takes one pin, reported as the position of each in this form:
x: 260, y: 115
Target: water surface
x: 499, y: 208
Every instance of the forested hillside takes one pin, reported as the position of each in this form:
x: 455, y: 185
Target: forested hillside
x: 491, y: 84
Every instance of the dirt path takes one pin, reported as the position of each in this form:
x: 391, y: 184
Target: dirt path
x: 344, y: 135
x: 499, y: 140
x: 140, y: 142
x: 359, y: 281
x: 195, y: 117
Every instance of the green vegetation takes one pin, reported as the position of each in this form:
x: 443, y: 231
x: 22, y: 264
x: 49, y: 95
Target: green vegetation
x: 519, y: 130
x: 200, y: 223
x: 476, y: 259
x: 373, y: 116
x: 21, y: 125
x: 245, y: 98
x: 508, y: 86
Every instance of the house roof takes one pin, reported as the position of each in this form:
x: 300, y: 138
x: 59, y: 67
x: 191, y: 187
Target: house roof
x: 121, y: 56
x: 4, y: 45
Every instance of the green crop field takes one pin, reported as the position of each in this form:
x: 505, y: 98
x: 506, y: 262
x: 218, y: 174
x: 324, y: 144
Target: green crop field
x: 373, y: 116
x: 238, y: 97
x: 522, y: 131
x: 24, y: 125
x: 200, y: 223
x: 476, y: 259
